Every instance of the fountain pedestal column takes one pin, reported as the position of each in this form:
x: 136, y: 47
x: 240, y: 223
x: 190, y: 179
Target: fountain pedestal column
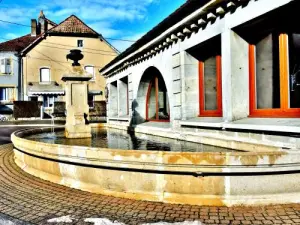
x: 76, y: 94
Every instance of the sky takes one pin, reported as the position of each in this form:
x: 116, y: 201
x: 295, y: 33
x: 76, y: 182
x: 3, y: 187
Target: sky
x: 117, y: 19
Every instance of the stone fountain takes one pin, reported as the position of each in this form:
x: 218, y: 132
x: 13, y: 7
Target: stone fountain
x: 76, y: 90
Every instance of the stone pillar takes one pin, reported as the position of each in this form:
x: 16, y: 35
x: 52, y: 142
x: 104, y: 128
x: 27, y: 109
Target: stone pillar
x: 123, y: 97
x: 235, y: 76
x: 190, y: 86
x: 176, y: 86
x: 76, y: 89
x: 113, y: 99
x: 130, y: 93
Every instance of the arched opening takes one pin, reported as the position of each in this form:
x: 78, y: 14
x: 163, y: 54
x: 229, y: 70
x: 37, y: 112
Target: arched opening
x: 153, y: 97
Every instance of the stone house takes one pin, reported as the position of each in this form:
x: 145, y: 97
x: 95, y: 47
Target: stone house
x: 213, y: 68
x: 43, y: 62
x: 10, y: 69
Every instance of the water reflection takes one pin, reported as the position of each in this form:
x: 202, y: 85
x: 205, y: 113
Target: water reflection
x: 118, y: 139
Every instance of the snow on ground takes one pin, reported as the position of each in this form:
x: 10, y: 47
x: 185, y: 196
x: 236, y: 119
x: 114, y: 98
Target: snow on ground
x: 98, y: 221
x: 104, y: 221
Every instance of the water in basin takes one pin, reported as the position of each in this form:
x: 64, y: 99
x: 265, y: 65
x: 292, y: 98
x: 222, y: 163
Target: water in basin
x: 118, y: 139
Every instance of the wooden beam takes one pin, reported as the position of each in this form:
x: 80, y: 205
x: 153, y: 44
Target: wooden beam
x: 169, y: 40
x: 201, y: 22
x: 211, y: 16
x: 186, y: 31
x: 231, y: 6
x: 220, y: 11
x: 174, y: 37
x: 180, y: 35
x: 194, y: 27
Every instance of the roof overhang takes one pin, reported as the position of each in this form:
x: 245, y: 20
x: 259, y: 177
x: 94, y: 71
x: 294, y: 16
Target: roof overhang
x: 162, y: 38
x: 73, y: 34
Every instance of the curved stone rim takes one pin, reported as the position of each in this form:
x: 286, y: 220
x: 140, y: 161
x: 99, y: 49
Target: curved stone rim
x: 182, y: 178
x: 214, y: 159
x: 24, y: 132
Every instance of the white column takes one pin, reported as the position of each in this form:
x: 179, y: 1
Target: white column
x: 190, y: 86
x: 235, y: 76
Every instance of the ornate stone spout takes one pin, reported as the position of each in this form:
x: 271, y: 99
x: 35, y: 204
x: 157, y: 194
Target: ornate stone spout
x: 76, y: 98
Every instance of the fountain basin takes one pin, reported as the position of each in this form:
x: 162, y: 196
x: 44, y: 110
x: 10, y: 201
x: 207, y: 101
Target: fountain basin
x: 198, y: 178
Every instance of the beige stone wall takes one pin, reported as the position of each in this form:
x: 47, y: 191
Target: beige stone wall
x: 52, y: 52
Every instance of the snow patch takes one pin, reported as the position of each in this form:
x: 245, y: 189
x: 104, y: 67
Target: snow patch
x: 63, y: 219
x: 98, y: 221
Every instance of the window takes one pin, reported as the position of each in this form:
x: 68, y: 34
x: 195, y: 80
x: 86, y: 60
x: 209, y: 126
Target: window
x: 49, y: 101
x: 210, y: 86
x: 157, y: 103
x: 90, y: 69
x: 80, y: 43
x: 7, y: 94
x: 210, y: 78
x: 5, y: 66
x: 274, y: 76
x: 33, y: 98
x: 45, y: 75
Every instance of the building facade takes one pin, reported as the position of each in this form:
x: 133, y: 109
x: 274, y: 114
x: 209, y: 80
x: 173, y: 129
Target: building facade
x: 9, y: 79
x: 10, y: 71
x: 44, y: 63
x: 35, y: 70
x: 212, y: 69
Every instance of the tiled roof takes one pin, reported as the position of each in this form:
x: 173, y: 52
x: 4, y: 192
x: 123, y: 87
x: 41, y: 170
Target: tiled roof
x: 18, y: 44
x: 73, y: 25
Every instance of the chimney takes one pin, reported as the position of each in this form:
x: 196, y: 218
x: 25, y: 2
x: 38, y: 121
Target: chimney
x: 43, y: 24
x: 33, y: 27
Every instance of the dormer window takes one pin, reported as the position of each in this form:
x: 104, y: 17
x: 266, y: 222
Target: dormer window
x: 80, y: 43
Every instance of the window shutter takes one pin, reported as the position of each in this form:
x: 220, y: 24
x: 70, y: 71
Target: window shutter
x: 11, y: 62
x: 8, y: 65
x: 2, y: 66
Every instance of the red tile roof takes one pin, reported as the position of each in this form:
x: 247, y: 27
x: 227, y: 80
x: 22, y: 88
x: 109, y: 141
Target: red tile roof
x: 70, y: 26
x: 18, y: 44
x: 73, y: 26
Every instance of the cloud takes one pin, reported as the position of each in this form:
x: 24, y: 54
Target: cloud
x: 108, y: 17
x: 105, y: 28
x: 15, y: 15
x: 113, y: 14
x: 11, y: 36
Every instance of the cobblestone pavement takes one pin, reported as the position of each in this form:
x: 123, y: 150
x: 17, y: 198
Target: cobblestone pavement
x: 35, y: 201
